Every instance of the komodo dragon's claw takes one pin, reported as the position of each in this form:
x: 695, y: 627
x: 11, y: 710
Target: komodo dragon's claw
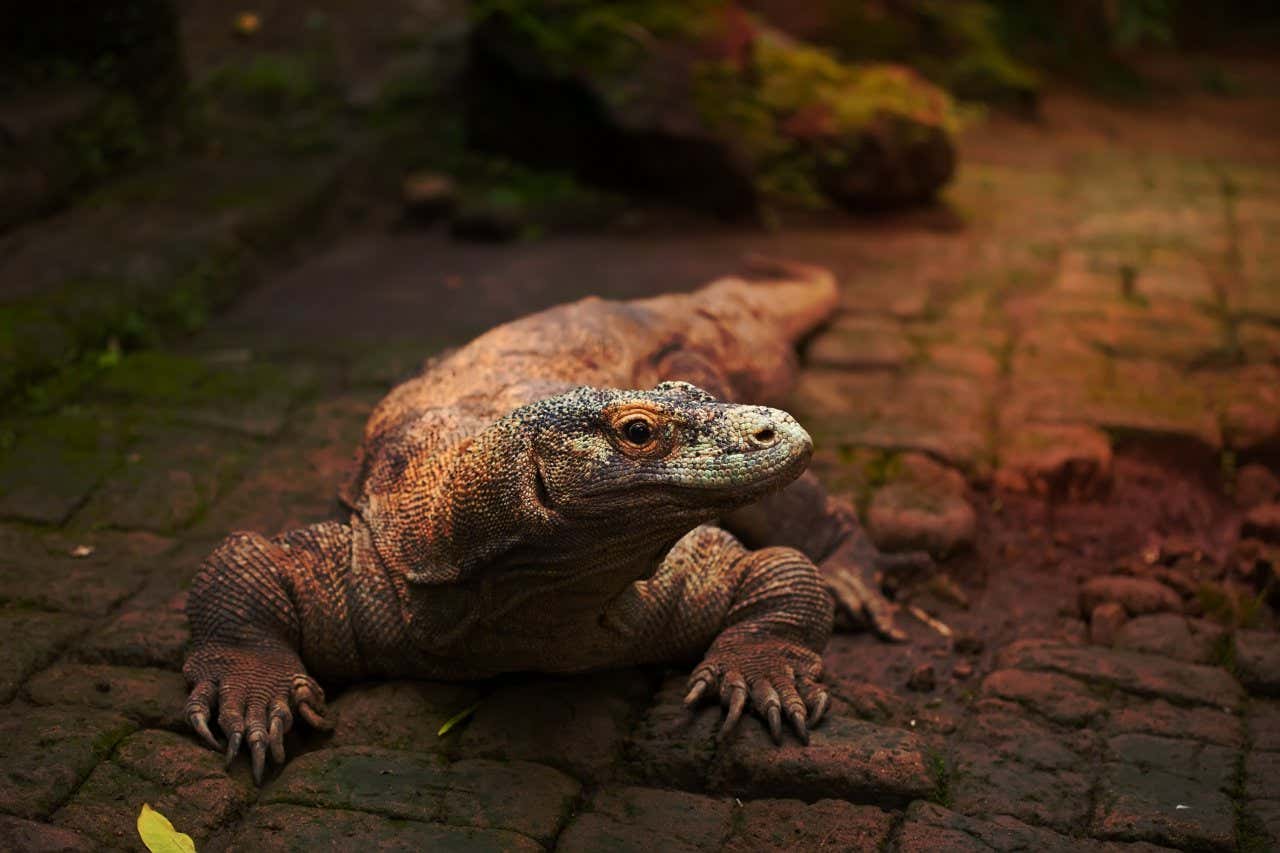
x: 233, y: 747
x: 776, y: 676
x: 236, y: 681
x: 855, y: 586
x: 202, y: 696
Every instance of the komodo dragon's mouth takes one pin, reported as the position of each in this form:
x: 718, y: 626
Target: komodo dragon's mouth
x: 706, y: 494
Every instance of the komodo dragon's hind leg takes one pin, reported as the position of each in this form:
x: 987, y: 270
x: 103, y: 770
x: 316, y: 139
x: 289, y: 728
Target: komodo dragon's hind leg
x: 826, y: 529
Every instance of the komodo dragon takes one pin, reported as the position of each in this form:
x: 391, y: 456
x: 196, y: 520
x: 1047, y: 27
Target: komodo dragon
x: 514, y: 511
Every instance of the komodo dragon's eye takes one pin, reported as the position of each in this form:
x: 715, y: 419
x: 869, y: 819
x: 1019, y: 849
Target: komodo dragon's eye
x: 637, y: 431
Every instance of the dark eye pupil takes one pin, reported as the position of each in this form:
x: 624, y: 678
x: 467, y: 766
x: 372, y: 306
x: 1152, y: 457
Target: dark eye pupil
x: 637, y: 432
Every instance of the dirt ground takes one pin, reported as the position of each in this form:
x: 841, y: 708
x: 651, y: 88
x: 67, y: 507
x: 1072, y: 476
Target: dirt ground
x: 1064, y: 380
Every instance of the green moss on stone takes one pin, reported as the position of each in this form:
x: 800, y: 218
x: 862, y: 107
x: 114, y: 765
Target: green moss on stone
x: 795, y: 77
x: 795, y: 100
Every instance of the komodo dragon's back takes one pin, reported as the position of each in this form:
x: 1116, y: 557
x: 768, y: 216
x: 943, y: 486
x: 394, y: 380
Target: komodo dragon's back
x: 734, y: 336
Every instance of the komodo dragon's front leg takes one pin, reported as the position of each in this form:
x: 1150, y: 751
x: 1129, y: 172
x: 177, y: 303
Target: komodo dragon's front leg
x: 759, y: 618
x: 258, y: 608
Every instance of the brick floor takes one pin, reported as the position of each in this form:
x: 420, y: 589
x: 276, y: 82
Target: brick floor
x: 1096, y: 299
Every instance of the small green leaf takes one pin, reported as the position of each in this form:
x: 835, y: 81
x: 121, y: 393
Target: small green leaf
x: 159, y: 835
x: 457, y: 718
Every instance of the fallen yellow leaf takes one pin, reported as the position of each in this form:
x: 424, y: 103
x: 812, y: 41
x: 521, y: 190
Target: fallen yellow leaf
x: 457, y: 718
x: 159, y: 835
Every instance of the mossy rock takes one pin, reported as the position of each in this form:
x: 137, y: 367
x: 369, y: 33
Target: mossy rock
x: 703, y: 104
x: 861, y: 136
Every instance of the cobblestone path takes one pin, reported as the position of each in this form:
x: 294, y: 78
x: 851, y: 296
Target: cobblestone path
x: 1064, y: 386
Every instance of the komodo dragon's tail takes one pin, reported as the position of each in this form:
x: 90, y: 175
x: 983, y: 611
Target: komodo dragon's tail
x: 796, y: 299
x: 737, y: 336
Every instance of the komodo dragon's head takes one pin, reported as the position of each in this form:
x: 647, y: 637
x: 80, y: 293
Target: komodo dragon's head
x: 588, y: 474
x: 673, y: 455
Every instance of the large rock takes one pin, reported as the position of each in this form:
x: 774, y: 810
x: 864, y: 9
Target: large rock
x: 18, y: 834
x: 1255, y: 485
x: 150, y: 630
x: 940, y: 414
x: 578, y: 725
x: 672, y: 745
x: 87, y: 574
x: 704, y: 104
x: 988, y: 784
x: 1247, y: 399
x: 1007, y: 763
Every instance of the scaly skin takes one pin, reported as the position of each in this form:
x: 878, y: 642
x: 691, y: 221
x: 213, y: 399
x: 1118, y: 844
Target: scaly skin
x: 513, y: 512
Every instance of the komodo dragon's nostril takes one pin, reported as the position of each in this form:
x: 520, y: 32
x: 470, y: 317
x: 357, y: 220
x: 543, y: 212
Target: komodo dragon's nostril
x: 764, y: 437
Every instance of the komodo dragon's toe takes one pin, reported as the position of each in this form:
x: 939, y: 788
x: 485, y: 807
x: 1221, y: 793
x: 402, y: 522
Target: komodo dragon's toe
x: 256, y: 695
x: 777, y: 676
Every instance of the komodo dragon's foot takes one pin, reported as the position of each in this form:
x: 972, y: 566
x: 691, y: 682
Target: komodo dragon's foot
x: 855, y: 580
x: 778, y: 676
x: 256, y: 692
